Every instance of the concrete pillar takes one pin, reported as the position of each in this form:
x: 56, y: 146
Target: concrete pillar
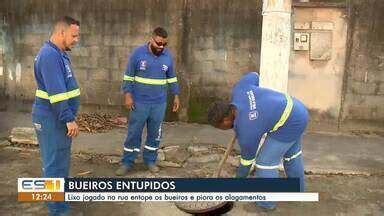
x: 2, y: 72
x: 275, y: 44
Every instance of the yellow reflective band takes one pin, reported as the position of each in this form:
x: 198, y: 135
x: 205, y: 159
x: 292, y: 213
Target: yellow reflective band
x: 64, y: 96
x: 58, y: 97
x: 246, y: 162
x: 286, y: 113
x: 42, y: 94
x: 172, y: 80
x: 150, y: 81
x: 128, y: 78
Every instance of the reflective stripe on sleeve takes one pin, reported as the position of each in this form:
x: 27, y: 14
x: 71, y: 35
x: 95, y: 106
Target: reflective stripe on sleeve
x: 58, y: 97
x: 246, y: 162
x: 128, y: 78
x: 150, y: 81
x: 42, y: 94
x: 172, y: 80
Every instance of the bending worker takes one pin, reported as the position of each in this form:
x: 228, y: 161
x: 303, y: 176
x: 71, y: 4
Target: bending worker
x: 56, y: 103
x: 255, y: 111
x: 150, y: 70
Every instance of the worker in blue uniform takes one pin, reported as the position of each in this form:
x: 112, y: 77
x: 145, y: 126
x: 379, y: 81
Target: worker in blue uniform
x: 56, y: 103
x: 255, y: 111
x: 150, y: 71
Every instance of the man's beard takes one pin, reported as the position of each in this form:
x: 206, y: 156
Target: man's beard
x: 67, y: 47
x: 156, y: 51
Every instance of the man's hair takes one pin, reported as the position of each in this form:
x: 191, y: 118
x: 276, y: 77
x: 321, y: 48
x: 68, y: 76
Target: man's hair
x: 67, y: 20
x: 64, y: 22
x: 159, y: 31
x: 217, y: 111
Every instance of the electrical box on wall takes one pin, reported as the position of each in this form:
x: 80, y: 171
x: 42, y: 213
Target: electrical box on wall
x: 301, y: 41
x: 321, y: 46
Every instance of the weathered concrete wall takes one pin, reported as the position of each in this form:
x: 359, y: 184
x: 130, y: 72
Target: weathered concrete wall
x: 363, y: 103
x: 213, y: 42
x: 109, y: 32
x: 318, y: 83
x: 224, y: 42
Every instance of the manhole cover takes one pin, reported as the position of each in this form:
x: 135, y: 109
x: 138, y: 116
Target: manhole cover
x: 204, y: 207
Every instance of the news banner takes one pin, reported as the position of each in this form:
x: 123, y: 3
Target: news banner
x: 161, y: 189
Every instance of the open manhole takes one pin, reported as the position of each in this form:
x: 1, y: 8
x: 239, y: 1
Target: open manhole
x: 205, y: 208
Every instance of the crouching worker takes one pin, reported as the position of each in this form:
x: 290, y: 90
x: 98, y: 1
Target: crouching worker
x: 254, y: 111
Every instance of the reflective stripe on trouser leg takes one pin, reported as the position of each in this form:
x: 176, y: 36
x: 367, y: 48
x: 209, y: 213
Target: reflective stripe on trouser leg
x: 137, y: 119
x: 294, y: 165
x: 271, y: 154
x: 55, y: 151
x: 268, y: 161
x: 154, y: 133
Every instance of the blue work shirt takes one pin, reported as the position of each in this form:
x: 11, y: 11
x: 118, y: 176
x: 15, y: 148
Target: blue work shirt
x: 147, y: 76
x: 258, y: 111
x: 57, y: 91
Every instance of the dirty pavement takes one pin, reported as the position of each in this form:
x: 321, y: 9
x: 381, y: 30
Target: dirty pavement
x: 346, y: 169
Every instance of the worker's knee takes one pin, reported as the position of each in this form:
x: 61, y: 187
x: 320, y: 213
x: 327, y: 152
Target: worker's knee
x: 265, y: 161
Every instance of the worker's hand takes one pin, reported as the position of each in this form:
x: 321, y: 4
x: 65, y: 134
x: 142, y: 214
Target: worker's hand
x: 73, y: 129
x: 176, y: 103
x: 129, y: 104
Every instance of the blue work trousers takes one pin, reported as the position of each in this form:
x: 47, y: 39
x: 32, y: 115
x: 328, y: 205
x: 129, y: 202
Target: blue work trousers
x: 152, y: 115
x: 270, y: 156
x: 55, y: 152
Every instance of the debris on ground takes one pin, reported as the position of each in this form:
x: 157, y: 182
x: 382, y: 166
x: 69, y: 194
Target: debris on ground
x: 23, y: 135
x: 84, y: 156
x: 84, y: 173
x: 168, y: 164
x: 176, y: 154
x: 202, y: 158
x: 112, y: 159
x: 198, y: 149
x: 367, y: 133
x: 100, y: 122
x: 92, y: 123
x: 234, y: 161
x: 205, y: 158
x: 160, y: 155
x: 5, y: 143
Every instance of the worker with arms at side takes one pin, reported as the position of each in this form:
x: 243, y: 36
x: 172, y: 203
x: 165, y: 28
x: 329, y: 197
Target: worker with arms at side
x: 149, y: 72
x: 56, y: 103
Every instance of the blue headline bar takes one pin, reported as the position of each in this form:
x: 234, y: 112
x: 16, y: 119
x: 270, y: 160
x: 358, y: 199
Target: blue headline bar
x: 182, y: 185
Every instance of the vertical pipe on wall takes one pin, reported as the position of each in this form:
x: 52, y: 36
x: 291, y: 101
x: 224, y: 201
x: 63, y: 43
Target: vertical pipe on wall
x: 347, y: 67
